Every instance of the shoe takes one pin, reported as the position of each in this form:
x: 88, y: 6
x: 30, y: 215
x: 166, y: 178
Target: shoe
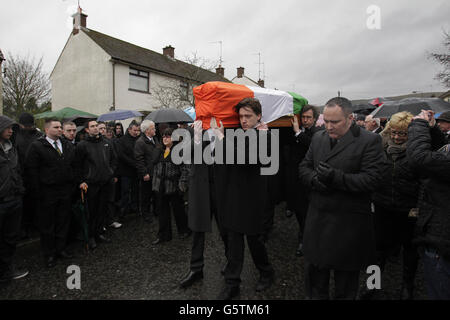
x: 185, y: 235
x: 158, y: 241
x: 115, y: 225
x: 50, y: 262
x: 289, y: 213
x: 228, y: 293
x: 92, y: 244
x: 191, y: 278
x: 64, y: 255
x: 264, y: 283
x: 102, y: 239
x: 13, y: 274
x: 299, y: 251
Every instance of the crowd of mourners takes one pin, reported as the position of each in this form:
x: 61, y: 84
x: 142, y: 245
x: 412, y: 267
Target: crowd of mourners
x: 362, y: 189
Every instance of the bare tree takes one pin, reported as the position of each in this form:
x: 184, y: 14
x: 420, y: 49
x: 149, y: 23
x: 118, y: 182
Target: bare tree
x: 26, y: 87
x: 444, y: 59
x: 177, y: 93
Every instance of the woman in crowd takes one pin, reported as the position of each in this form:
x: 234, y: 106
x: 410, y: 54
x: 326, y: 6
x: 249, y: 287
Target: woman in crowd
x: 394, y: 199
x: 169, y: 183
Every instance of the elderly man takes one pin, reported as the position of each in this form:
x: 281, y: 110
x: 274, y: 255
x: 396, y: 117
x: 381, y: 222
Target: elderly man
x: 443, y: 122
x: 342, y: 167
x: 11, y: 191
x: 373, y: 124
x: 146, y: 152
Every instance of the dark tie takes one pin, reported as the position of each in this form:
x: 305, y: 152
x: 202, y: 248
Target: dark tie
x: 56, y: 147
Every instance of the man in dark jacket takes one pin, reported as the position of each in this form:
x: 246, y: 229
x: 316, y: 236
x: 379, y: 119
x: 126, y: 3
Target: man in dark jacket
x: 443, y: 122
x: 433, y: 224
x: 342, y: 167
x: 242, y: 195
x: 69, y: 132
x: 11, y: 191
x: 49, y: 164
x: 26, y: 134
x: 127, y: 169
x: 95, y: 168
x: 202, y: 207
x: 146, y: 152
x: 297, y: 193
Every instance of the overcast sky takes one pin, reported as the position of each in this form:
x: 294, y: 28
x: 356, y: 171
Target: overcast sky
x: 314, y: 48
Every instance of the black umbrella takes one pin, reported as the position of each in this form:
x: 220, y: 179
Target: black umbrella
x: 413, y: 105
x: 363, y: 108
x: 168, y: 115
x: 81, y: 215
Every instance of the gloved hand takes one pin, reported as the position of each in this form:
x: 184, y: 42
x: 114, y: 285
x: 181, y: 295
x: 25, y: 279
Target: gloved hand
x: 182, y: 186
x: 317, y: 185
x: 325, y: 172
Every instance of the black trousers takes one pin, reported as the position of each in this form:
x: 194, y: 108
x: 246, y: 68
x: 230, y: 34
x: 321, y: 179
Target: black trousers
x: 395, y: 229
x: 300, y: 214
x: 10, y: 220
x: 317, y: 282
x: 129, y: 196
x: 98, y: 196
x: 54, y: 219
x: 235, y: 254
x: 146, y: 197
x: 198, y: 248
x: 164, y: 204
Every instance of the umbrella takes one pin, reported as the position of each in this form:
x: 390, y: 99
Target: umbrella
x: 119, y: 115
x: 377, y: 102
x: 191, y: 112
x: 363, y: 108
x: 413, y: 105
x: 81, y: 214
x: 169, y: 115
x: 64, y: 114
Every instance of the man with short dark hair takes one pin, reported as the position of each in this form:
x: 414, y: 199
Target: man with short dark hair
x: 11, y: 191
x: 102, y: 128
x: 241, y: 205
x: 49, y: 163
x: 342, y: 167
x: 69, y: 132
x: 297, y: 195
x: 96, y: 165
x: 127, y: 169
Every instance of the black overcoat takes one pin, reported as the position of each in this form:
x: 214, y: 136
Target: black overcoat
x: 339, y: 232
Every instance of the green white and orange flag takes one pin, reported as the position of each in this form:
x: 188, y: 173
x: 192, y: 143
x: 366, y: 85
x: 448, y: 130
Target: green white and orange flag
x: 217, y: 99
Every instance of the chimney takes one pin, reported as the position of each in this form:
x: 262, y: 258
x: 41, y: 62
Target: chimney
x: 220, y: 71
x: 79, y: 20
x: 169, y: 51
x: 261, y: 83
x: 240, y: 72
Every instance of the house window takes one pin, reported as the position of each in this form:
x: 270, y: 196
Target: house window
x: 184, y: 89
x: 139, y: 80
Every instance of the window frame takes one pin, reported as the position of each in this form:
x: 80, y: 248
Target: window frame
x: 139, y: 73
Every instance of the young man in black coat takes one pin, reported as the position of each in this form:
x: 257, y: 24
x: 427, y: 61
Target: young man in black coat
x: 11, y: 191
x: 342, y: 168
x: 49, y: 164
x: 127, y: 169
x: 95, y: 172
x: 242, y: 195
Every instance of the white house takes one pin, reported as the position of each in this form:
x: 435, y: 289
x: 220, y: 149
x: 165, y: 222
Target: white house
x: 241, y: 78
x: 98, y: 73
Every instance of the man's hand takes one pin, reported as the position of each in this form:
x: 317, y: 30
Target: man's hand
x: 198, y: 129
x: 317, y: 185
x: 84, y: 186
x: 147, y: 177
x: 262, y: 126
x: 325, y: 172
x: 115, y: 179
x: 218, y: 131
x: 295, y: 124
